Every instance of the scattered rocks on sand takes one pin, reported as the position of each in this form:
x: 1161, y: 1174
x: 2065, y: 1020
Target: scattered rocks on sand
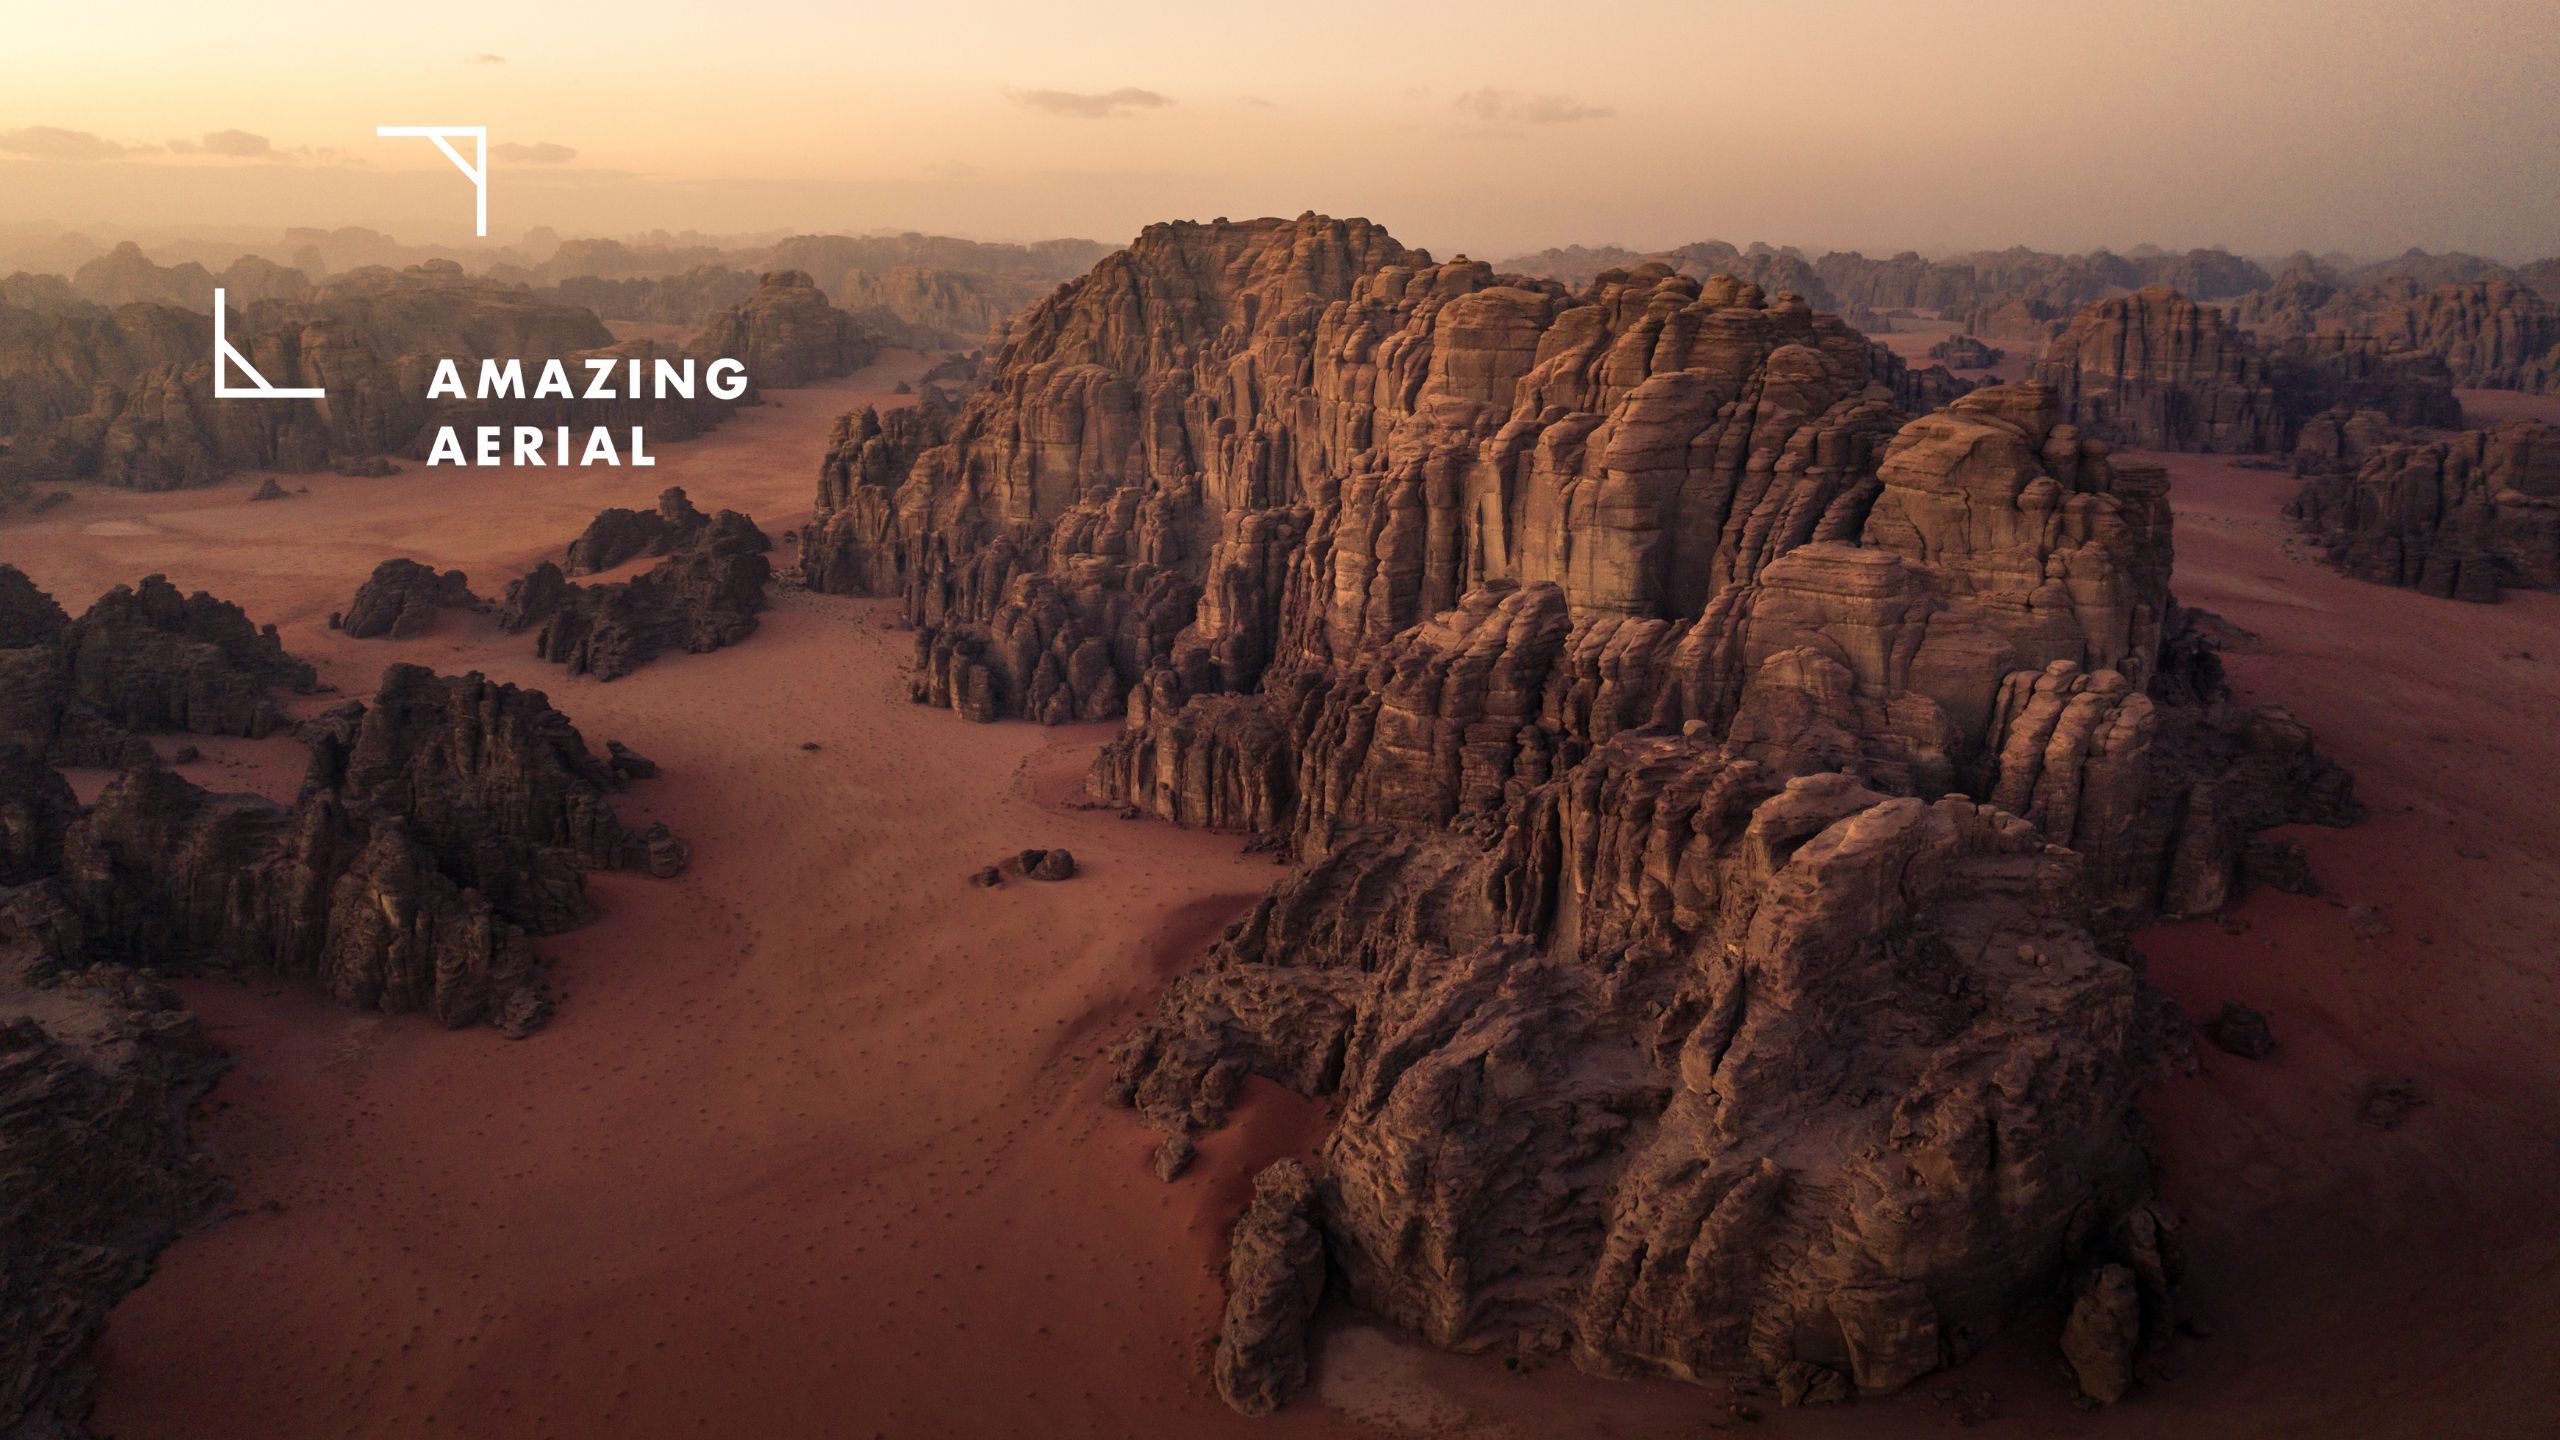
x: 2241, y: 1031
x: 707, y: 592
x: 2387, y: 1102
x: 402, y: 599
x: 1028, y: 864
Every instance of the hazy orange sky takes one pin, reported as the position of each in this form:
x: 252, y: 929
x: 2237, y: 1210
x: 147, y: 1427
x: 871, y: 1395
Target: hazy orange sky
x: 1488, y: 128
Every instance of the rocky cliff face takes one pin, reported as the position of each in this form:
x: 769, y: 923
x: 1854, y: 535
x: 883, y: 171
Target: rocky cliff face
x: 2156, y: 369
x: 127, y: 397
x: 786, y: 334
x: 705, y: 594
x: 143, y: 658
x: 1720, y: 795
x: 2458, y: 518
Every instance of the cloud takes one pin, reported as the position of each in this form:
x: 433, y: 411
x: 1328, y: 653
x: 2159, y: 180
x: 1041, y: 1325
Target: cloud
x: 1090, y: 105
x: 540, y: 152
x: 225, y: 142
x: 484, y: 58
x: 1508, y: 107
x: 48, y: 142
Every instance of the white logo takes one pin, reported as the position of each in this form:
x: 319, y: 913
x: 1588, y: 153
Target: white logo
x: 475, y: 169
x: 257, y: 388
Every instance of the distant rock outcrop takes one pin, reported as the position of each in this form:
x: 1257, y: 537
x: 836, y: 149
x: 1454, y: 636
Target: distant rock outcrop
x: 126, y: 397
x: 1964, y: 352
x: 786, y: 334
x: 617, y: 536
x: 402, y: 599
x: 2158, y: 370
x: 2494, y: 334
x: 2456, y: 518
x: 143, y: 658
x: 706, y: 594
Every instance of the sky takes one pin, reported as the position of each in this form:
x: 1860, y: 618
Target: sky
x: 1489, y: 128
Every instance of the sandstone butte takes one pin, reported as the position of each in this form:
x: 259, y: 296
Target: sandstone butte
x: 1720, y: 796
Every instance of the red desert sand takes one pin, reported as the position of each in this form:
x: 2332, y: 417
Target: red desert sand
x: 816, y: 1145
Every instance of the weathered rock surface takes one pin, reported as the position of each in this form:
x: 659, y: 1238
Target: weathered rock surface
x: 2458, y: 518
x: 1275, y: 1277
x: 98, y: 1069
x: 1720, y: 794
x: 2158, y: 370
x: 617, y: 536
x: 402, y: 599
x: 143, y: 658
x: 438, y: 827
x: 786, y: 334
x: 705, y: 594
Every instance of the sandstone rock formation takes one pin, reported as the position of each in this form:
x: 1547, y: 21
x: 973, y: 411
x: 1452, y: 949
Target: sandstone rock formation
x: 143, y: 658
x: 2459, y: 517
x: 1721, y: 796
x: 98, y: 1069
x: 2156, y: 369
x: 706, y: 594
x: 1964, y: 352
x: 786, y: 334
x: 689, y: 298
x: 437, y: 829
x: 617, y: 536
x: 1275, y: 1277
x: 402, y: 599
x: 2493, y: 333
